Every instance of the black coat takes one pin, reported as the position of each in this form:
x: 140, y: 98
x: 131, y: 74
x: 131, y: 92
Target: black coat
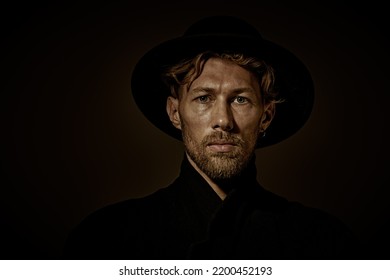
x: 187, y: 220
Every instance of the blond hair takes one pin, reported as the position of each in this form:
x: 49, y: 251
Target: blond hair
x: 187, y: 70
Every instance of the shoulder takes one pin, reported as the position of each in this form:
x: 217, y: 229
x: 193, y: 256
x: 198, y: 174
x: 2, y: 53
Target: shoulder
x: 119, y: 213
x: 103, y: 232
x: 317, y: 232
x: 329, y: 237
x: 297, y: 213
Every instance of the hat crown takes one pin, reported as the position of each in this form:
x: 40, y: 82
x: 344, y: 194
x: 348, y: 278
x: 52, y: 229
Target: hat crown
x: 222, y: 25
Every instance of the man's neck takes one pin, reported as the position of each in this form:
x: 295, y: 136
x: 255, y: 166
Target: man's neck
x: 218, y: 190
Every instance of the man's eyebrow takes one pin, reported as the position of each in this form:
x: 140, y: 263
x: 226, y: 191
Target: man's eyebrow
x: 211, y: 90
x: 244, y: 89
x: 202, y: 89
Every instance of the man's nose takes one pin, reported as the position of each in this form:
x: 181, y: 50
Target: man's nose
x: 222, y: 116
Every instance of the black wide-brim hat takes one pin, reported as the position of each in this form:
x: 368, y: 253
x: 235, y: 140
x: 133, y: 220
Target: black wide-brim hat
x: 225, y: 34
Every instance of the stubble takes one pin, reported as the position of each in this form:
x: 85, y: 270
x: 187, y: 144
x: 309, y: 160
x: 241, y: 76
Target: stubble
x: 219, y: 165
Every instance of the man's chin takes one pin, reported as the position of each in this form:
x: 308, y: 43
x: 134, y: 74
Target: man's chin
x: 219, y: 165
x: 233, y: 155
x: 222, y: 167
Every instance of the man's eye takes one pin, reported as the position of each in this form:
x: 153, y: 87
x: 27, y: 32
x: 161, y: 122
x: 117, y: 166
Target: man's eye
x: 240, y: 100
x: 204, y: 98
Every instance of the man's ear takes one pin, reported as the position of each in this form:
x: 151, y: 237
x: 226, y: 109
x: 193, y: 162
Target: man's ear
x: 173, y: 111
x: 268, y: 116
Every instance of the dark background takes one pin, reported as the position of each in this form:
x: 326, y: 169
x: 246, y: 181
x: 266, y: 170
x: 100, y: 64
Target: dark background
x: 74, y: 141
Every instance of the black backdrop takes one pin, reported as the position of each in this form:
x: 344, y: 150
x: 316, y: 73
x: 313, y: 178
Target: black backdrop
x: 73, y: 140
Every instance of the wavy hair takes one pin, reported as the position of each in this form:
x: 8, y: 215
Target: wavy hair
x: 187, y: 70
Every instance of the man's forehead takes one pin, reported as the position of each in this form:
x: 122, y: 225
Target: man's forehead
x: 220, y: 73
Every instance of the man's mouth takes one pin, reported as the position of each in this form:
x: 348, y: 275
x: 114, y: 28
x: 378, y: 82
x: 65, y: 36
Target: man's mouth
x: 221, y: 146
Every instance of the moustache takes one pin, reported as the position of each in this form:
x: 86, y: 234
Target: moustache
x: 222, y: 137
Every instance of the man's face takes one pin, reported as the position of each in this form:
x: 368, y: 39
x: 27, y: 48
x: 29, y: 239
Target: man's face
x: 221, y: 116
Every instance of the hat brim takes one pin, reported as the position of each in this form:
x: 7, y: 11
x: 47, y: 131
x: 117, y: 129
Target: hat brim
x: 294, y: 81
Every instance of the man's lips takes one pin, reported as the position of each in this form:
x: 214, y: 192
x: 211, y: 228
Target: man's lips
x: 221, y: 146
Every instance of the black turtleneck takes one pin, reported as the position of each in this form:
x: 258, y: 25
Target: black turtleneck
x: 188, y: 220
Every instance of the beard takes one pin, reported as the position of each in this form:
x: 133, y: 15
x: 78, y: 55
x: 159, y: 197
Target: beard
x: 220, y: 166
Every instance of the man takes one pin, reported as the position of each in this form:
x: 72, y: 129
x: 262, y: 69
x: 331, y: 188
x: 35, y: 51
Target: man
x: 224, y: 91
